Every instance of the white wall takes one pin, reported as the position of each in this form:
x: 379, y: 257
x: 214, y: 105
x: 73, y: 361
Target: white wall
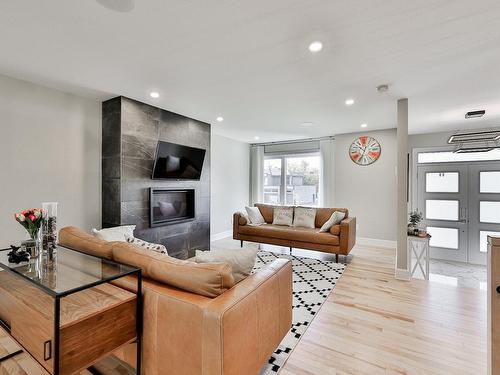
x: 369, y: 192
x: 50, y: 150
x: 230, y: 167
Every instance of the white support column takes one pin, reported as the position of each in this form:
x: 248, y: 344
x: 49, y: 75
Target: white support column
x: 402, y: 271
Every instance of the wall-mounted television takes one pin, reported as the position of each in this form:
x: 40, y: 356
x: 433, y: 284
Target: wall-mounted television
x: 177, y: 162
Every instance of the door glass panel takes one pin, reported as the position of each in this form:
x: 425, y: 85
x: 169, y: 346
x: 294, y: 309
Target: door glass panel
x: 443, y: 237
x: 489, y: 182
x: 302, y: 180
x: 272, y: 180
x: 489, y: 212
x: 441, y: 210
x: 483, y: 240
x: 450, y: 156
x: 441, y: 182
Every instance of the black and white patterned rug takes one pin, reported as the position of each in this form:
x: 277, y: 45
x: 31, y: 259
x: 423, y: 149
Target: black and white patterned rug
x: 313, y: 281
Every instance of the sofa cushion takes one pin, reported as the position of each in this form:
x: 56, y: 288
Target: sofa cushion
x: 267, y: 211
x: 335, y: 219
x: 304, y: 217
x: 255, y: 216
x: 283, y: 216
x: 323, y: 214
x: 77, y: 239
x: 206, y: 279
x: 241, y: 261
x: 114, y: 233
x: 291, y: 233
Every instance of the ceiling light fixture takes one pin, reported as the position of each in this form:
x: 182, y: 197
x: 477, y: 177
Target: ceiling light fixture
x: 154, y: 94
x: 256, y: 137
x: 475, y: 114
x: 306, y: 124
x: 364, y: 125
x: 349, y: 101
x: 315, y: 46
x: 484, y: 136
x: 220, y: 119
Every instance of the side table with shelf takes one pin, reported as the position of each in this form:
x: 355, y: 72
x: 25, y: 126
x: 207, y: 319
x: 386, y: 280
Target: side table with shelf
x: 419, y: 247
x: 65, y: 313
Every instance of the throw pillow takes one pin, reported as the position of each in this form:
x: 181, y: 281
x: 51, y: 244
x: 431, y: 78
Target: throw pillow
x: 304, y: 217
x: 283, y: 216
x: 115, y: 233
x: 144, y: 245
x: 255, y: 216
x: 336, y: 218
x: 241, y: 261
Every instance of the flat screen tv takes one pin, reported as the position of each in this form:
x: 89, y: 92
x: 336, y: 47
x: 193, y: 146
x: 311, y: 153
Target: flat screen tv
x: 178, y: 162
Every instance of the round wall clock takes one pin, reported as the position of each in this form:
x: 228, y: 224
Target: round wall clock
x: 365, y: 150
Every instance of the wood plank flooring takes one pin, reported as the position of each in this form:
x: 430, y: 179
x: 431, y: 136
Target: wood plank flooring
x: 373, y: 324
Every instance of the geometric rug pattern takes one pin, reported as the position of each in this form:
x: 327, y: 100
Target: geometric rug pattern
x: 313, y: 281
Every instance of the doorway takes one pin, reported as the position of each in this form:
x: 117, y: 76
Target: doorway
x: 461, y: 207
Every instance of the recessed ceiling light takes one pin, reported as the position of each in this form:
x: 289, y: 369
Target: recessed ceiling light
x: 315, y: 46
x: 154, y: 94
x: 364, y: 125
x: 383, y: 88
x: 306, y: 124
x: 256, y: 137
x: 349, y: 101
x: 220, y: 119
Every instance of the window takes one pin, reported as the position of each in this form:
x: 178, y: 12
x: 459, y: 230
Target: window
x: 489, y: 182
x: 441, y: 210
x: 441, y: 182
x: 450, y: 156
x: 300, y: 184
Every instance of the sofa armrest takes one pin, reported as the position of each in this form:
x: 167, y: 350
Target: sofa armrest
x: 238, y: 219
x: 347, y: 235
x: 243, y: 326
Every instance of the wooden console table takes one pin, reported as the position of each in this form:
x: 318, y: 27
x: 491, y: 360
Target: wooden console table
x: 65, y: 313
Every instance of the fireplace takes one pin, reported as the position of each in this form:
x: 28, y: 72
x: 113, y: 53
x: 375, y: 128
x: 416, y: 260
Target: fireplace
x: 170, y: 206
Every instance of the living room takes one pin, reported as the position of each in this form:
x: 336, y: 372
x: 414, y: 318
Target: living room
x: 249, y: 188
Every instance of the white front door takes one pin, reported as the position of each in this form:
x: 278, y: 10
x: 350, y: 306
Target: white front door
x: 442, y: 198
x: 461, y: 208
x: 484, y: 213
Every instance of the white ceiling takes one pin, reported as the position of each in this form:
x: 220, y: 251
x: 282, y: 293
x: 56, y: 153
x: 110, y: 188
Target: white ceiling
x: 248, y: 60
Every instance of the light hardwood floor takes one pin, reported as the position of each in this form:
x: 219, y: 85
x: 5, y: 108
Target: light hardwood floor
x: 373, y: 324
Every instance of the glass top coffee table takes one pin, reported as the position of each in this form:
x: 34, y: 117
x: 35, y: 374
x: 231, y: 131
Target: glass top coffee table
x: 66, y: 312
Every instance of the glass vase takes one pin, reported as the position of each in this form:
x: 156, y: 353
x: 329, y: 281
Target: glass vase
x: 49, y: 227
x: 32, y: 245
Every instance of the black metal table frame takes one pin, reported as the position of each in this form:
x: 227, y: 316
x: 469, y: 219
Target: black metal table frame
x: 57, y: 306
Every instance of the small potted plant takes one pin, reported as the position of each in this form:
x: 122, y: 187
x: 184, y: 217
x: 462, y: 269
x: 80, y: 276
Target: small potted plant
x: 414, y: 220
x: 31, y: 220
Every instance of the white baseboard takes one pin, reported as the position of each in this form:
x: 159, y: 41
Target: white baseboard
x: 221, y: 235
x: 402, y: 274
x: 376, y: 242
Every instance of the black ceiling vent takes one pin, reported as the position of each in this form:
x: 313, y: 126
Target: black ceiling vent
x: 475, y: 114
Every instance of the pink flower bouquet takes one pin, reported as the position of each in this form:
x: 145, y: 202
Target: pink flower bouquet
x: 31, y: 220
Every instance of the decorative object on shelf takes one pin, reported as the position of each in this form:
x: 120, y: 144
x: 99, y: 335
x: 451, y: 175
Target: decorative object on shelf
x: 365, y: 150
x: 31, y: 220
x: 49, y: 227
x: 413, y: 222
x: 18, y: 255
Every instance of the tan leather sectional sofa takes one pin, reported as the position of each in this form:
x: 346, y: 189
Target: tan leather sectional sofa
x: 339, y: 240
x: 197, y: 321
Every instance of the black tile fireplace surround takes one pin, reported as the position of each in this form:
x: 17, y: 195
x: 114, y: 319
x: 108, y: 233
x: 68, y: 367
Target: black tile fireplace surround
x: 170, y: 206
x: 130, y: 133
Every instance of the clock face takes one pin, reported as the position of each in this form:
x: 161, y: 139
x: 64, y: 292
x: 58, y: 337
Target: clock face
x: 365, y: 150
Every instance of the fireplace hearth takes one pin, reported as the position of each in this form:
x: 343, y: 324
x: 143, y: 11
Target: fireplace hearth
x: 171, y: 206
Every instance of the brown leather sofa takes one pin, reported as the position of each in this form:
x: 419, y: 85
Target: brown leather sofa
x: 339, y: 240
x: 196, y: 321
